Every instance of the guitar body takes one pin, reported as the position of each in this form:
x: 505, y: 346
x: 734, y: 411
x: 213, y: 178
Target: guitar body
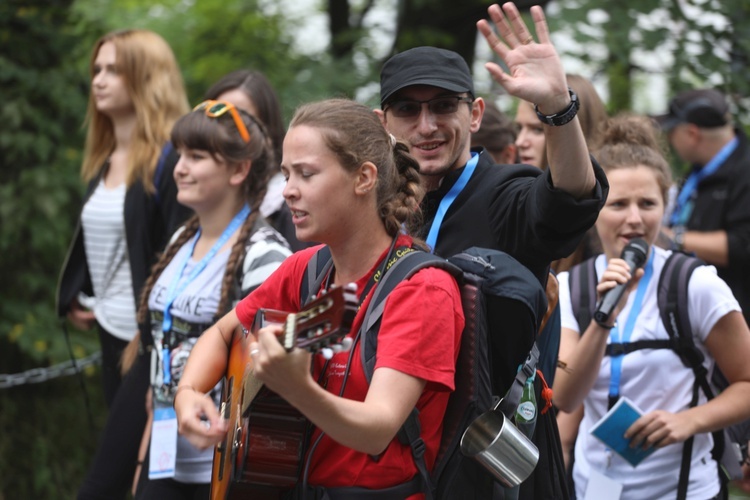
x: 260, y: 458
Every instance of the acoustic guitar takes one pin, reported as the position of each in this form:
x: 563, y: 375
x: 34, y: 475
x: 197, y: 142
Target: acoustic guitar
x: 261, y: 455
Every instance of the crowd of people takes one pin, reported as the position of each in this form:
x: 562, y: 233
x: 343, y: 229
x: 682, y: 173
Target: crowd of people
x: 194, y: 221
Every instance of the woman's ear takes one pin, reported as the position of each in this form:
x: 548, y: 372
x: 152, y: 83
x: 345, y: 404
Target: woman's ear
x: 240, y: 171
x: 367, y: 178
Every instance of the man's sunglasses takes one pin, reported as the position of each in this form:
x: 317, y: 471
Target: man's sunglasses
x: 410, y: 108
x: 215, y: 109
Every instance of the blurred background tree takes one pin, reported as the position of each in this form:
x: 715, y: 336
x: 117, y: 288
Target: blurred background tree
x: 309, y: 51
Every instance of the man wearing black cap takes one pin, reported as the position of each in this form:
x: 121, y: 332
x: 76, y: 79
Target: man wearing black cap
x: 428, y: 102
x: 712, y: 211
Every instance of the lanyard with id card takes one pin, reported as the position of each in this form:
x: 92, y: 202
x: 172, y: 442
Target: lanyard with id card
x: 599, y: 485
x: 163, y: 447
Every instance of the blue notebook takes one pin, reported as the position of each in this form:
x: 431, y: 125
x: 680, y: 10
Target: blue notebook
x: 611, y: 429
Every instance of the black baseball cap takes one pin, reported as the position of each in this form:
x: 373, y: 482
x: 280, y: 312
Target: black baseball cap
x: 706, y: 108
x: 425, y: 66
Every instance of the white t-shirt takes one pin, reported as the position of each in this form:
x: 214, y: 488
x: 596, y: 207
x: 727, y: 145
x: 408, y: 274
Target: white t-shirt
x: 655, y: 379
x: 103, y: 223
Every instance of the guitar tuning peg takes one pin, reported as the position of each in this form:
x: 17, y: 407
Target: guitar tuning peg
x: 327, y: 353
x: 346, y: 343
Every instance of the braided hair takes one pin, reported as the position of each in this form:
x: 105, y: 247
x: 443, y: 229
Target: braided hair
x: 355, y: 135
x: 220, y: 138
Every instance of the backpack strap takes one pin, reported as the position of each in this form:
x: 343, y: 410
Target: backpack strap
x: 673, y: 291
x: 403, y: 269
x: 411, y: 431
x: 318, y: 268
x: 582, y: 284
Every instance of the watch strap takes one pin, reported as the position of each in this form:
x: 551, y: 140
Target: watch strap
x: 562, y: 117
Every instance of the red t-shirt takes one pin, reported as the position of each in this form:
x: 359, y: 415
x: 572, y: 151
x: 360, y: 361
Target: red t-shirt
x: 419, y: 335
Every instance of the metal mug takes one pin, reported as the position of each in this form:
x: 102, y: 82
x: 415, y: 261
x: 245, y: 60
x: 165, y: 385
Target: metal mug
x: 493, y: 441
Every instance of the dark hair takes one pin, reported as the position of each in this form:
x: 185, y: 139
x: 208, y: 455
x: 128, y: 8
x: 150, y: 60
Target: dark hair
x: 259, y: 91
x: 630, y: 141
x: 497, y: 131
x: 355, y: 135
x: 219, y: 136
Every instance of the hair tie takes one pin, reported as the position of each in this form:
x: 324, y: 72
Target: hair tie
x: 393, y: 140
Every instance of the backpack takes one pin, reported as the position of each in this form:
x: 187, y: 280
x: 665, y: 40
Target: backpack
x: 498, y: 295
x: 730, y: 445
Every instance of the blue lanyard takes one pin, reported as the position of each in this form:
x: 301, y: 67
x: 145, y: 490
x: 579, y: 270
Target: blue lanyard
x: 614, y: 334
x: 448, y: 200
x: 679, y: 214
x: 178, y: 285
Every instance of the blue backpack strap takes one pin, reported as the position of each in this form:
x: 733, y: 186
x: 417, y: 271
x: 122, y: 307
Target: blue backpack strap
x: 165, y: 151
x: 582, y: 284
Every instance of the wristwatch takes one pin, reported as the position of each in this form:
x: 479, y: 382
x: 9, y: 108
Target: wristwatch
x: 564, y: 116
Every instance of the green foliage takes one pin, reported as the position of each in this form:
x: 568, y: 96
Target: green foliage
x: 42, y: 112
x: 708, y: 43
x: 48, y: 439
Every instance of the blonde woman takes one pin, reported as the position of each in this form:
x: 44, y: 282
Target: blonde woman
x: 129, y: 212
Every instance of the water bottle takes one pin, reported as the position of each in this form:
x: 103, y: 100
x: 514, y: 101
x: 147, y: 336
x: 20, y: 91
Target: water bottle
x: 525, y: 420
x: 526, y: 411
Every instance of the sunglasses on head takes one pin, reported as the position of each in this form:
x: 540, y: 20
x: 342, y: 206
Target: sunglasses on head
x: 215, y: 109
x: 411, y: 108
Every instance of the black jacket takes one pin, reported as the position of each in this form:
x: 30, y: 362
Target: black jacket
x: 513, y: 208
x: 150, y: 219
x: 722, y: 202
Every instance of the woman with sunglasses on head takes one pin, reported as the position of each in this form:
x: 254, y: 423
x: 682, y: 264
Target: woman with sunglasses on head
x: 129, y: 212
x: 353, y: 188
x: 223, y: 252
x: 654, y: 378
x: 251, y: 91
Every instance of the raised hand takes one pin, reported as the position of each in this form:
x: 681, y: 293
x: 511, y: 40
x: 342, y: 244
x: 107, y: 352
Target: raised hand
x: 535, y: 73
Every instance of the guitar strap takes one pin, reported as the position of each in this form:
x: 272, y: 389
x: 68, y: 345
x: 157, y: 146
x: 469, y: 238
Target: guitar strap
x: 319, y: 269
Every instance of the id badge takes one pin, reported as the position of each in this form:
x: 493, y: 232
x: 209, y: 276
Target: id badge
x: 163, y: 449
x: 600, y: 486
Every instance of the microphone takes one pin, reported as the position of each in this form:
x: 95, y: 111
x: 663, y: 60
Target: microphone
x: 634, y: 254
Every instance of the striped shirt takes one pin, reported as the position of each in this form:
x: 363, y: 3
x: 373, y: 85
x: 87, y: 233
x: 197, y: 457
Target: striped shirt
x: 107, y: 257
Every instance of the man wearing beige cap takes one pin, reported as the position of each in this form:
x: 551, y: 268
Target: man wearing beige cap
x: 711, y: 217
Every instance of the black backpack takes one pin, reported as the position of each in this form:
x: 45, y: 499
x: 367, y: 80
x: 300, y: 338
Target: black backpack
x: 498, y: 295
x: 730, y: 445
